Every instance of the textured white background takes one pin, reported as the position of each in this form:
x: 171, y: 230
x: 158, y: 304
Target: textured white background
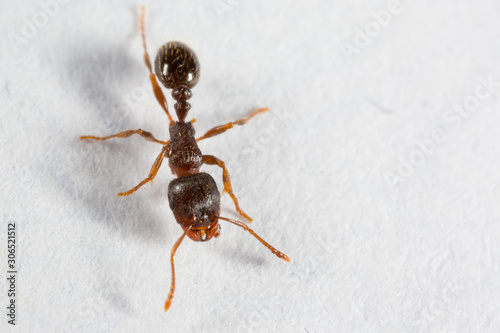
x: 368, y: 254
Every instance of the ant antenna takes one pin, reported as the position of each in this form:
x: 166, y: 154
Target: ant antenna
x: 244, y: 226
x: 168, y: 302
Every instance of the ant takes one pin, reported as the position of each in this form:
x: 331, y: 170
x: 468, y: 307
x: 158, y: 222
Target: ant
x: 193, y: 196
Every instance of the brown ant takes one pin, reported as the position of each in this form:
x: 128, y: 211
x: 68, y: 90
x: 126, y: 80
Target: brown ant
x: 193, y: 196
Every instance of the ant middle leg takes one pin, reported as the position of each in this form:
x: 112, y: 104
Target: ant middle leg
x: 152, y: 174
x: 125, y: 134
x: 156, y: 88
x: 222, y: 128
x: 212, y: 160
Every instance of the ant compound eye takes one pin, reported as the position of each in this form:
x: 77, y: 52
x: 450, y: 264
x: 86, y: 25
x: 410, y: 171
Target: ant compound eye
x: 177, y: 65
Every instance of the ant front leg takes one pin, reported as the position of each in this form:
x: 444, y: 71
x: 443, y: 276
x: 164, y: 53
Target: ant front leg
x: 165, y: 152
x: 212, y: 160
x: 125, y: 134
x: 222, y: 128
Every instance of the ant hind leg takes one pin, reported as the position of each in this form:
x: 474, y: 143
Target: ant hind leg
x: 156, y: 88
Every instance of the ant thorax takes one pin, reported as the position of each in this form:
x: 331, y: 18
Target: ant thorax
x: 185, y: 156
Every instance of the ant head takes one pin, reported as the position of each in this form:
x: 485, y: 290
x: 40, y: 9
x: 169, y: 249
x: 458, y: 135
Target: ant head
x: 177, y: 65
x: 206, y: 233
x: 177, y: 68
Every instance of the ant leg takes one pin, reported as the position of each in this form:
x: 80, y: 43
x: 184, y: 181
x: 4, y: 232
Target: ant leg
x: 168, y: 302
x: 156, y: 88
x: 125, y: 134
x: 212, y: 160
x: 266, y: 244
x: 152, y: 173
x: 222, y: 128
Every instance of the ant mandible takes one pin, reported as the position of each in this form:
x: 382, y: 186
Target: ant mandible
x: 193, y: 196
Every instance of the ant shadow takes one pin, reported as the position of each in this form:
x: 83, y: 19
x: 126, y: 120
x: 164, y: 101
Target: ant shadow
x: 99, y: 74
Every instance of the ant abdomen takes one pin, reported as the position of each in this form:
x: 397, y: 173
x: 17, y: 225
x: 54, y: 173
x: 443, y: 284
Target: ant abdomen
x: 176, y: 65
